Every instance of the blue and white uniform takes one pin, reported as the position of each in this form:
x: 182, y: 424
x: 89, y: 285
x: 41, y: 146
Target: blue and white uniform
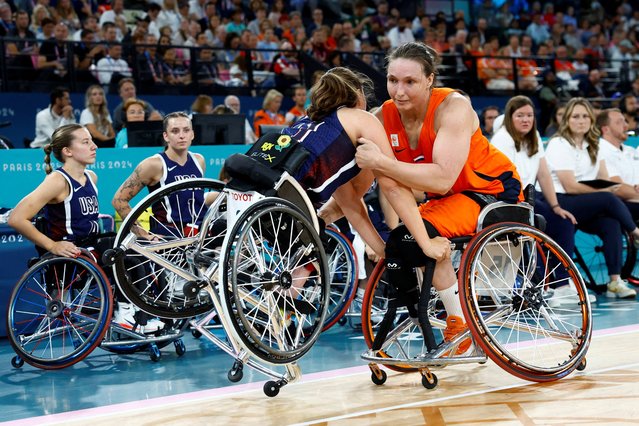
x: 179, y: 209
x: 77, y: 215
x: 332, y: 156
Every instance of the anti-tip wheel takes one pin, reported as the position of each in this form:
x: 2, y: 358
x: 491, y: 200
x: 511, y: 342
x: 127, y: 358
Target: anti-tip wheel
x: 17, y: 362
x: 428, y: 384
x: 236, y: 373
x: 180, y: 348
x: 379, y: 380
x: 271, y: 388
x: 582, y: 365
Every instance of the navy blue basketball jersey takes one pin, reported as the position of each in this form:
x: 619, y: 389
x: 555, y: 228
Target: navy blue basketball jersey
x: 185, y: 207
x: 331, y: 162
x: 77, y: 215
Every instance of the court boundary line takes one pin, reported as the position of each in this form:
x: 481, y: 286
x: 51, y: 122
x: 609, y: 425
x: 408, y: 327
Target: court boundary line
x: 208, y: 394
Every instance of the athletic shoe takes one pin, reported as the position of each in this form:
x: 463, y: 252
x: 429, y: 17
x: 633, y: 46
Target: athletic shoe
x: 454, y: 326
x: 567, y: 294
x: 619, y: 288
x: 125, y: 318
x: 551, y: 301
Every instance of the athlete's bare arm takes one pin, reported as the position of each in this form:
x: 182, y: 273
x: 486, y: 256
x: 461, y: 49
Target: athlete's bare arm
x: 147, y: 173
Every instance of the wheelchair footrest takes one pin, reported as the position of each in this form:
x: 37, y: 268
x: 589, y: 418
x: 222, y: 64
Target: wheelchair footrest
x: 432, y: 359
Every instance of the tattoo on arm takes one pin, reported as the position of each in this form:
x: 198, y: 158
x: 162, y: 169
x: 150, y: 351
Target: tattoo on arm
x: 129, y: 189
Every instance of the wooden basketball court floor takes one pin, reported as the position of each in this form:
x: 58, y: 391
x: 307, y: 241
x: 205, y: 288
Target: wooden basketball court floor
x: 335, y: 389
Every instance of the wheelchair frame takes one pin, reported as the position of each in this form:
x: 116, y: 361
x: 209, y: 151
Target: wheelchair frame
x: 257, y: 331
x: 494, y: 299
x: 44, y: 308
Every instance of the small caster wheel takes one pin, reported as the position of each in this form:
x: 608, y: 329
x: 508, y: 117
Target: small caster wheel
x: 154, y: 353
x: 379, y: 380
x: 110, y: 256
x: 582, y: 365
x: 271, y: 388
x: 180, y: 349
x: 342, y: 321
x: 236, y: 373
x: 195, y: 333
x: 429, y: 384
x: 17, y: 362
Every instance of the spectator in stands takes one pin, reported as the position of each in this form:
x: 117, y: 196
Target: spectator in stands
x: 269, y: 41
x: 286, y: 67
x: 149, y: 67
x: 233, y: 102
x: 317, y: 21
x: 19, y: 53
x: 519, y: 139
x: 127, y: 90
x: 538, y: 30
x: 513, y: 49
x: 573, y: 157
x: 231, y: 46
x: 496, y: 73
x: 487, y: 117
x: 623, y: 61
x: 634, y: 87
x: 579, y: 63
x: 592, y: 87
x: 112, y: 68
x: 298, y: 110
x: 66, y: 13
x: 206, y: 68
x: 269, y: 114
x: 197, y: 9
x: 527, y: 69
x: 173, y: 69
x: 401, y: 33
x: 550, y: 95
x: 319, y: 49
x: 96, y: 116
x: 629, y: 108
x: 54, y: 56
x: 133, y: 110
x: 203, y: 104
x: 116, y: 11
x: 349, y: 33
x: 38, y: 15
x: 169, y: 16
x: 236, y: 24
x: 622, y: 160
x: 6, y: 21
x: 58, y: 113
x: 555, y: 119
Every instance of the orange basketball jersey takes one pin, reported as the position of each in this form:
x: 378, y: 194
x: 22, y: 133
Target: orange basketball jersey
x: 487, y: 170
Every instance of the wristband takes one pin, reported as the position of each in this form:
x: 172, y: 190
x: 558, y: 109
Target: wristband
x: 554, y: 205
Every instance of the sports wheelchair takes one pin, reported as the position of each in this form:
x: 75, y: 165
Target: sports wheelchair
x: 248, y: 251
x: 60, y: 311
x: 502, y: 272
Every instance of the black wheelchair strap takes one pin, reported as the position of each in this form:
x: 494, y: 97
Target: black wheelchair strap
x: 386, y: 324
x: 424, y: 299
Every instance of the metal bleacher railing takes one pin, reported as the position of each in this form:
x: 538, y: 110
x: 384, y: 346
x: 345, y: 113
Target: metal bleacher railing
x: 245, y: 72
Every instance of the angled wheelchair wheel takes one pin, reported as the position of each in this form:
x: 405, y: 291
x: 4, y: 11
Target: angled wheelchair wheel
x: 124, y: 342
x: 59, y: 312
x: 501, y: 281
x: 590, y: 259
x: 159, y: 257
x: 342, y: 266
x: 404, y: 338
x: 630, y: 268
x: 275, y: 281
